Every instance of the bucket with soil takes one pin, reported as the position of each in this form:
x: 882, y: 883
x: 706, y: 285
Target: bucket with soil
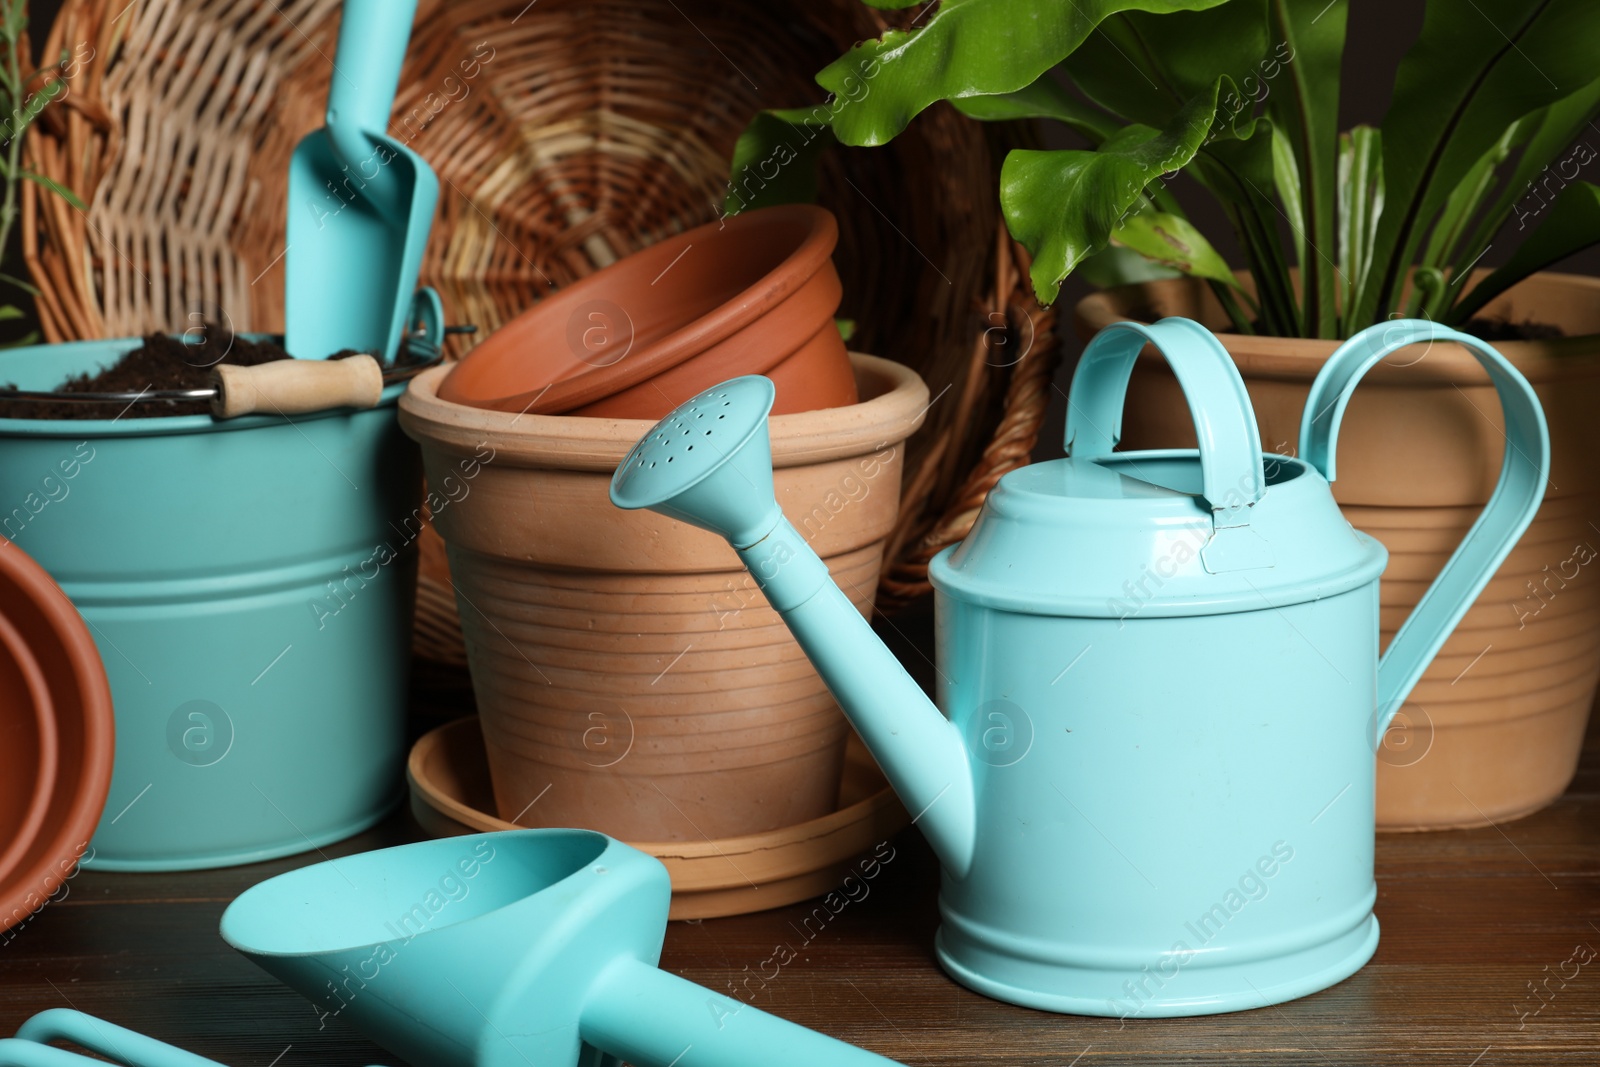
x: 216, y: 372
x: 248, y: 582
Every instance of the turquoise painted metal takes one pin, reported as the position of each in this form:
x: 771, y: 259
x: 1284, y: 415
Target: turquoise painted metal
x: 32, y: 1046
x: 1151, y: 787
x: 504, y: 950
x: 360, y: 202
x: 249, y: 584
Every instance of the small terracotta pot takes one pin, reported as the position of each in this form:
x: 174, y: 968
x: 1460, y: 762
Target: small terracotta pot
x: 1494, y: 728
x: 56, y: 737
x: 630, y: 678
x: 750, y: 294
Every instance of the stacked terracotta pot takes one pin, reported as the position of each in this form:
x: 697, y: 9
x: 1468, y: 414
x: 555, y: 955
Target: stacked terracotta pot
x: 629, y: 676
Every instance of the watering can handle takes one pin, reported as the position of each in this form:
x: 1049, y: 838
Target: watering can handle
x: 1524, y: 472
x: 1232, y: 477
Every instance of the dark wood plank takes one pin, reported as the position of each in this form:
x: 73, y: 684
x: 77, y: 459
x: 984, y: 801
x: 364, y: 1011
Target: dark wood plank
x: 1470, y: 919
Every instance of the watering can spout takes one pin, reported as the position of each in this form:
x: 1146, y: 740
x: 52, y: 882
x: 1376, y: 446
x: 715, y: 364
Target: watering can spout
x: 709, y: 464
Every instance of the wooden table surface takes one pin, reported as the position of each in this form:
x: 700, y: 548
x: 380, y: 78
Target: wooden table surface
x: 1471, y: 920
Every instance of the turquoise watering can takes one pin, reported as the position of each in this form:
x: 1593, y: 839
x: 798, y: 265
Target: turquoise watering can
x: 1151, y: 786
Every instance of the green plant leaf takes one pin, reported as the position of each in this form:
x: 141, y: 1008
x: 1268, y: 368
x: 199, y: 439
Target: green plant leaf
x: 775, y: 159
x: 55, y: 187
x: 21, y: 283
x: 1571, y: 224
x: 1467, y: 197
x: 968, y: 48
x: 1172, y: 242
x: 1286, y: 179
x: 1554, y: 130
x: 1115, y: 265
x: 1047, y: 99
x: 11, y: 311
x: 1465, y: 201
x: 1360, y: 207
x: 1238, y: 167
x: 1063, y: 205
x: 1472, y: 72
x: 1145, y: 67
x: 1303, y: 103
x: 1044, y: 99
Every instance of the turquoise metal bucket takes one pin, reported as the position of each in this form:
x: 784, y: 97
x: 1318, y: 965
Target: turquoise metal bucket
x: 250, y: 586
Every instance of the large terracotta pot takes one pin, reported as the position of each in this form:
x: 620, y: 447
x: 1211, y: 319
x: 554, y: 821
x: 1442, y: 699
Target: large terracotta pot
x: 1494, y: 728
x: 630, y: 678
x: 751, y: 294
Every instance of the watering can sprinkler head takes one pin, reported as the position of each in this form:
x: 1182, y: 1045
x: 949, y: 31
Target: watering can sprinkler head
x: 505, y: 949
x: 709, y: 464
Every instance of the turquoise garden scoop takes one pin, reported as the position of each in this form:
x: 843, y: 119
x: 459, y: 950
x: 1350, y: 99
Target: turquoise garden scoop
x: 528, y: 947
x: 360, y: 202
x: 1151, y: 784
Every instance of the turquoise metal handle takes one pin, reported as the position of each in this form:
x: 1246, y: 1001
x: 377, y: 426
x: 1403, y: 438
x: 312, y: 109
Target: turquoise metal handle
x: 1523, y: 474
x: 31, y: 1048
x: 373, y: 35
x: 424, y: 325
x: 1224, y: 422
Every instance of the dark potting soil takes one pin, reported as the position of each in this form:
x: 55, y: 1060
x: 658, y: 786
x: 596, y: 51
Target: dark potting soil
x: 1503, y: 329
x: 162, y: 363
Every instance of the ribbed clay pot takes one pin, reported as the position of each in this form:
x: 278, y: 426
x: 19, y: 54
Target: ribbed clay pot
x: 751, y: 294
x: 630, y: 678
x: 1494, y: 728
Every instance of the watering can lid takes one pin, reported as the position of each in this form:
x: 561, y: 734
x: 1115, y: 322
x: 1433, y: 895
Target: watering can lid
x: 1130, y: 534
x: 1106, y: 534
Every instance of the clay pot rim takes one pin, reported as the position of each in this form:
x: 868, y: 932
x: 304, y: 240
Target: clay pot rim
x: 42, y: 712
x: 820, y: 233
x: 88, y: 800
x: 897, y: 403
x: 1298, y: 359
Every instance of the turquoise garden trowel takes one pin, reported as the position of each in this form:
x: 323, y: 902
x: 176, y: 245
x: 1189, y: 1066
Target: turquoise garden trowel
x: 528, y: 948
x: 360, y: 202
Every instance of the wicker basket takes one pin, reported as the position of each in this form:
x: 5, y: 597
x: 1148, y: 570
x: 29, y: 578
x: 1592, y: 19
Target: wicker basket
x: 565, y: 135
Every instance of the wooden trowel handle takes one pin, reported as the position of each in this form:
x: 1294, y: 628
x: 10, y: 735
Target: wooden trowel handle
x: 296, y: 386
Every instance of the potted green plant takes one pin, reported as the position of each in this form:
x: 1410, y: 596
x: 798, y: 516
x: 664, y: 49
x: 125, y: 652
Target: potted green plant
x: 1490, y: 124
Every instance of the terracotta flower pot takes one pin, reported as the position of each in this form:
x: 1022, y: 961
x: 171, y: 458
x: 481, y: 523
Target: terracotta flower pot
x: 56, y: 737
x: 1494, y: 728
x: 750, y: 294
x: 629, y: 676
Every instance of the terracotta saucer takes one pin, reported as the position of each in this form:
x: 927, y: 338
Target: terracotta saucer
x: 56, y: 737
x: 450, y: 794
